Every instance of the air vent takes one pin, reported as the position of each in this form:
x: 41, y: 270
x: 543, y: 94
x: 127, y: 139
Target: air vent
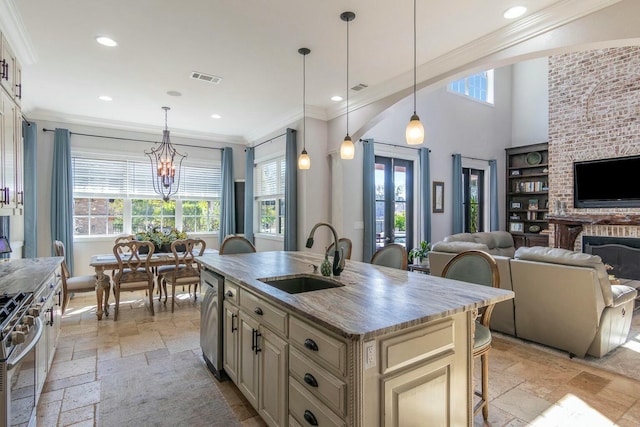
x: 206, y: 77
x: 359, y: 87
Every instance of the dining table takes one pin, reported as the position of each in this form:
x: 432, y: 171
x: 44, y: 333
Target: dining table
x: 105, y: 262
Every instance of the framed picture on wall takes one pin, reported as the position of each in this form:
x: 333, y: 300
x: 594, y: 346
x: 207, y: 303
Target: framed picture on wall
x: 438, y: 197
x: 516, y: 227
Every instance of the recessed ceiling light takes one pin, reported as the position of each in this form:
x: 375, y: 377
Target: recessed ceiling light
x: 336, y: 98
x: 174, y: 93
x: 105, y: 98
x: 514, y: 12
x: 106, y: 41
x: 216, y: 116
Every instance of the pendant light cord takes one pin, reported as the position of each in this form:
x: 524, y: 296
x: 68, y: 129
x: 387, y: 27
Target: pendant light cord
x: 348, y: 76
x: 414, y: 57
x: 304, y: 102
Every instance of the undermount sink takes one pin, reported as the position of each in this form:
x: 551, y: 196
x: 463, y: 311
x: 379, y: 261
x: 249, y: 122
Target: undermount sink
x: 301, y: 283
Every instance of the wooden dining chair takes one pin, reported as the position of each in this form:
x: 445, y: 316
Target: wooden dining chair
x: 186, y: 271
x: 392, y: 255
x: 72, y: 284
x: 478, y: 267
x: 236, y: 245
x: 134, y: 272
x: 344, y: 246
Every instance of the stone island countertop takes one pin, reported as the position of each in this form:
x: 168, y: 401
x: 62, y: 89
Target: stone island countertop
x: 373, y: 301
x: 26, y: 274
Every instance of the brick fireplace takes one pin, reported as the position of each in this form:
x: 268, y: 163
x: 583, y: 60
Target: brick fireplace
x: 594, y: 113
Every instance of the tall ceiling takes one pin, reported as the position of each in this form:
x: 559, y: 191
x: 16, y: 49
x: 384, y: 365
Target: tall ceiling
x: 251, y: 44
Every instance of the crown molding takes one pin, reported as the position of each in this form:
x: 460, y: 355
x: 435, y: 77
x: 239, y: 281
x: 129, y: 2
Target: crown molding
x: 14, y: 30
x: 285, y: 121
x: 444, y: 66
x: 52, y: 116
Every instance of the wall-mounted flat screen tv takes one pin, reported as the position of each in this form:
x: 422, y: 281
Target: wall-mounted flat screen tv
x: 607, y: 183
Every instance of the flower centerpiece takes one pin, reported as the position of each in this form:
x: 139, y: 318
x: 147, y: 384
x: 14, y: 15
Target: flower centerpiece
x: 161, y: 238
x: 420, y: 253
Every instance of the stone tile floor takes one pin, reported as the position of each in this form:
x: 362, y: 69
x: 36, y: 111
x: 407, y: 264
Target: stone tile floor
x: 527, y: 386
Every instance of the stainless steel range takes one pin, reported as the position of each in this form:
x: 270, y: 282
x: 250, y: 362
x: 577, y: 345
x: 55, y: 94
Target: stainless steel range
x: 20, y: 331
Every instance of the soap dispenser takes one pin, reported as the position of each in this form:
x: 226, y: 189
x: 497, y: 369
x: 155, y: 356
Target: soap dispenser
x: 325, y: 267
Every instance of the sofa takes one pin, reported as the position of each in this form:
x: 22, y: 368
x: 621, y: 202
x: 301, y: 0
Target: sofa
x: 563, y: 299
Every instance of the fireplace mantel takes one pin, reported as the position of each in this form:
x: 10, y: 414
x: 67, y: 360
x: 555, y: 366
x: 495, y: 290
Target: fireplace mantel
x: 568, y: 227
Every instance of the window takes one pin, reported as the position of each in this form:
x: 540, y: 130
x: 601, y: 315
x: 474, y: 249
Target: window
x: 269, y: 191
x: 477, y: 86
x: 115, y: 196
x: 146, y: 213
x: 96, y: 216
x: 200, y: 215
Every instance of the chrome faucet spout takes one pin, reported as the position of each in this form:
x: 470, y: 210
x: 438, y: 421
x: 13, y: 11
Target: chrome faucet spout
x: 338, y: 261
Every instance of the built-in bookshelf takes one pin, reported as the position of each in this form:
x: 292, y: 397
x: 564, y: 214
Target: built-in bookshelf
x: 528, y: 194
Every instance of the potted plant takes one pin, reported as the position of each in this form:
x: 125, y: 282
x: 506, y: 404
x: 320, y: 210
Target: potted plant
x: 161, y: 239
x: 420, y: 253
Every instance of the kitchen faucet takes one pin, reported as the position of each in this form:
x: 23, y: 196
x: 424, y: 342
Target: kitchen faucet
x: 338, y: 259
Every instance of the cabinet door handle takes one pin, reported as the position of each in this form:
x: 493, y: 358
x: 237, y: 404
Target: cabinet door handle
x: 19, y: 94
x: 233, y: 316
x: 311, y: 344
x: 258, y: 311
x: 310, y: 418
x: 3, y: 74
x: 6, y: 70
x: 253, y: 339
x: 258, y: 349
x: 310, y: 379
x: 229, y: 294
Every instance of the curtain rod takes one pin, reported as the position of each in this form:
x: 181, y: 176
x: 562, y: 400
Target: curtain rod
x: 392, y: 145
x: 132, y: 139
x: 473, y: 158
x: 25, y: 119
x: 268, y: 140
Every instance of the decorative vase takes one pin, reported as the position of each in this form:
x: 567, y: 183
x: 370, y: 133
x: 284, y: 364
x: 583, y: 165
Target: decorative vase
x: 325, y: 267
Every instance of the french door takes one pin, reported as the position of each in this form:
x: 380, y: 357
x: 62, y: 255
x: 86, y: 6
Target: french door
x: 394, y: 201
x: 474, y: 199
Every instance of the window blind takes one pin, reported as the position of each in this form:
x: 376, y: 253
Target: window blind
x: 269, y: 177
x: 130, y: 178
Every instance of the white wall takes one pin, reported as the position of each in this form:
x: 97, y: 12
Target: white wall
x: 85, y: 247
x: 530, y: 97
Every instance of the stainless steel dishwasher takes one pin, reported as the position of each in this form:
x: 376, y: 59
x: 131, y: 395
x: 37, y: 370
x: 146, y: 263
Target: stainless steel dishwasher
x: 211, y: 312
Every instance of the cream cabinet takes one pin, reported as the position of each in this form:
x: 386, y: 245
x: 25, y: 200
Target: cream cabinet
x: 295, y: 372
x: 8, y: 64
x: 231, y: 333
x: 11, y: 143
x: 256, y: 352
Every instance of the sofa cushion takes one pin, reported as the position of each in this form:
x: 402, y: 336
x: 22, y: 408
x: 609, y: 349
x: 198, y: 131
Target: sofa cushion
x: 497, y: 242
x: 567, y: 257
x: 458, y: 246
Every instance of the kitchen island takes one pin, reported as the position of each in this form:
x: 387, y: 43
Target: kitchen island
x: 384, y: 347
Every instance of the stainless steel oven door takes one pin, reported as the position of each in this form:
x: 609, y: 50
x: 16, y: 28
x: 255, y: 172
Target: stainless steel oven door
x: 20, y: 391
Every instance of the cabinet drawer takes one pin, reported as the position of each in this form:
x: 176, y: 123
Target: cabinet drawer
x: 306, y: 408
x: 416, y: 346
x: 231, y: 292
x: 263, y: 311
x: 327, y: 350
x: 318, y: 381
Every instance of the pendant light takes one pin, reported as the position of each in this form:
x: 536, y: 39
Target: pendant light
x: 304, y: 162
x: 415, y: 131
x: 166, y: 165
x: 347, y: 149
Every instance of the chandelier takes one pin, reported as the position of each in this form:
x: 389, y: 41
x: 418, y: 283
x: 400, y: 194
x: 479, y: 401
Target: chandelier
x: 166, y: 165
